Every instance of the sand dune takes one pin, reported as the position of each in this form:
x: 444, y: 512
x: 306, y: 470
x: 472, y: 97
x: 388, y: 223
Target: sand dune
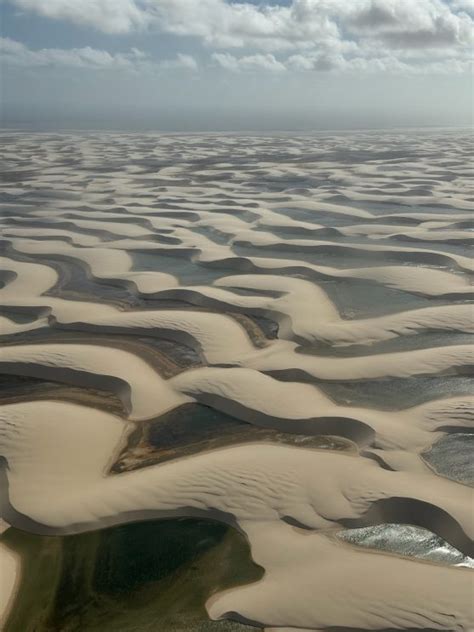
x: 142, y: 391
x: 250, y: 482
x: 301, y: 286
x: 303, y: 588
x: 145, y: 394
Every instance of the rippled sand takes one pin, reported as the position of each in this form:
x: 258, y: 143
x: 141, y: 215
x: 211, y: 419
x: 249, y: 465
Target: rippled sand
x: 269, y: 332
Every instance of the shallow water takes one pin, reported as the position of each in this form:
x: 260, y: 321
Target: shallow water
x: 408, y: 541
x: 397, y: 393
x: 145, y: 576
x: 453, y: 456
x: 195, y: 428
x: 187, y: 272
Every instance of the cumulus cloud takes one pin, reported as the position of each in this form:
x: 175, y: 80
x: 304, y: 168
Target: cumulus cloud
x: 249, y: 62
x: 110, y: 16
x: 181, y: 61
x: 408, y: 24
x: 16, y: 53
x: 318, y: 62
x: 223, y: 25
x: 463, y: 5
x: 312, y: 35
x: 382, y: 63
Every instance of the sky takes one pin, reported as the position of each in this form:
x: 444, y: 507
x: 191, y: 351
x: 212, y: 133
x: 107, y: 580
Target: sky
x: 212, y: 65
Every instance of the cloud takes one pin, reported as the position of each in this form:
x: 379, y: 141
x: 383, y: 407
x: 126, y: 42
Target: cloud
x: 412, y: 25
x: 299, y: 24
x: 463, y: 5
x: 222, y: 25
x: 110, y: 16
x: 249, y: 62
x: 14, y: 52
x: 312, y: 35
x: 300, y: 62
x: 181, y: 61
x: 382, y: 63
x: 317, y: 62
x: 17, y: 54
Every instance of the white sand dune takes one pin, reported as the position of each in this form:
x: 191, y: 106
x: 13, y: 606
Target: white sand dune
x: 280, y: 356
x: 399, y: 364
x: 29, y: 279
x: 218, y: 337
x: 313, y: 583
x: 139, y: 386
x: 243, y: 392
x: 320, y: 207
x: 60, y: 309
x: 266, y: 240
x: 77, y: 239
x: 9, y: 326
x: 426, y: 230
x: 43, y: 443
x: 313, y: 316
x: 103, y: 263
x: 273, y: 266
x: 261, y: 400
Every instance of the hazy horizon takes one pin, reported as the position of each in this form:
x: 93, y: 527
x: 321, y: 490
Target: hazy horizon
x: 225, y: 66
